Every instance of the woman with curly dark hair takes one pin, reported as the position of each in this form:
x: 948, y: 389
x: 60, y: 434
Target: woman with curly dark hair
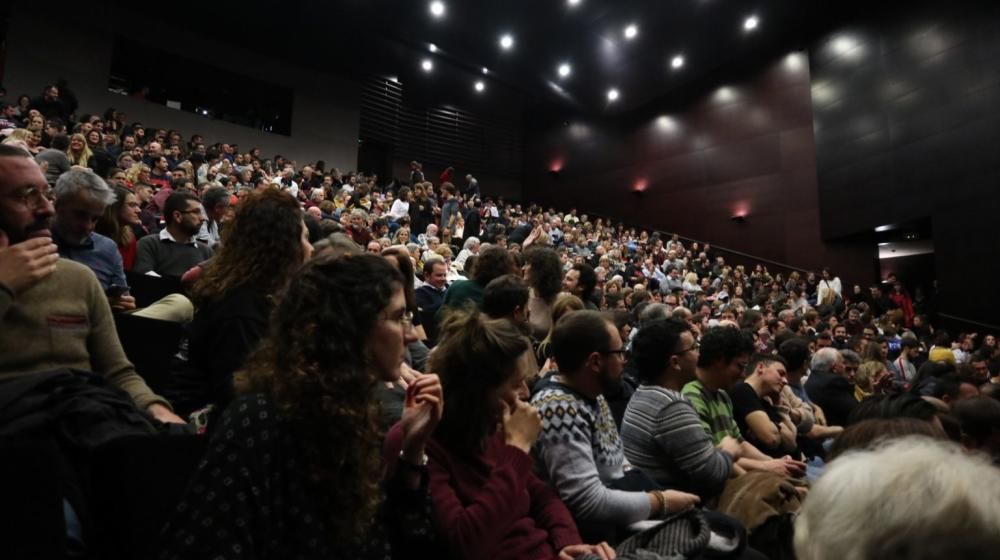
x: 262, y: 246
x: 487, y: 501
x: 543, y: 275
x: 294, y: 471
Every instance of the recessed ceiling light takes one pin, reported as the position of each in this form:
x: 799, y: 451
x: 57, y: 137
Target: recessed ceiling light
x: 480, y: 86
x: 612, y: 94
x: 437, y: 9
x: 506, y: 41
x: 631, y: 31
x: 564, y: 70
x: 427, y: 65
x: 751, y: 23
x: 485, y: 70
x: 677, y: 62
x: 433, y: 48
x: 573, y: 2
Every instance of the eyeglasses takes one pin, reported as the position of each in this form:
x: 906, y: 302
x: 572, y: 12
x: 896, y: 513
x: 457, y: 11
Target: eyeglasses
x: 407, y: 319
x: 620, y: 352
x: 694, y: 346
x: 34, y: 197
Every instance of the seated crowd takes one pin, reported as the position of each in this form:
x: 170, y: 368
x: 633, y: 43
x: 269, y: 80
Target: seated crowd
x: 406, y: 368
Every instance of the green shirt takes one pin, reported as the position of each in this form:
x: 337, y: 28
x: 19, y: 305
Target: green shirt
x: 461, y: 292
x: 715, y: 411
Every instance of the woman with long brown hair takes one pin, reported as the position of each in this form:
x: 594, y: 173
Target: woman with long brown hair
x: 294, y: 470
x: 121, y: 224
x: 487, y: 501
x: 262, y: 247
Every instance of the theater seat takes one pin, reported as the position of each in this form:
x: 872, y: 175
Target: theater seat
x: 150, y: 345
x: 136, y: 484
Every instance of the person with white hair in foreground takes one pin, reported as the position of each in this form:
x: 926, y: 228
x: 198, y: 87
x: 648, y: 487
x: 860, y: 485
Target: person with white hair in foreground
x: 913, y: 498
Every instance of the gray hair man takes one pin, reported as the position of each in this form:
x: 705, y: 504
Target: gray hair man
x: 829, y: 386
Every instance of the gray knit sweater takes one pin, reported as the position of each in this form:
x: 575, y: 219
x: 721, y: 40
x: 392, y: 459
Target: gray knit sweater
x: 581, y: 452
x: 665, y: 439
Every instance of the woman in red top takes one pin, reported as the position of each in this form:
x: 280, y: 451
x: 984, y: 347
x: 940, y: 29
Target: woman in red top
x: 122, y: 225
x: 447, y: 175
x: 487, y: 502
x: 903, y: 300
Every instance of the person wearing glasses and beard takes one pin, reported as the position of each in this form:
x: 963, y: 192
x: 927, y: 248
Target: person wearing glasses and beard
x: 579, y: 447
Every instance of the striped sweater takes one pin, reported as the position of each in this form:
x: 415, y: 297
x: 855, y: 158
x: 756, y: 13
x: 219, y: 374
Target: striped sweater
x: 664, y: 437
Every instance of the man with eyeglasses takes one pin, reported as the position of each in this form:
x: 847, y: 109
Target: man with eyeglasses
x: 579, y: 446
x: 53, y: 313
x: 661, y: 430
x: 174, y: 250
x: 722, y: 360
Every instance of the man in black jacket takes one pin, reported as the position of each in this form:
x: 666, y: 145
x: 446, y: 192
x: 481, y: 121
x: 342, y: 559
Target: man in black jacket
x: 829, y: 387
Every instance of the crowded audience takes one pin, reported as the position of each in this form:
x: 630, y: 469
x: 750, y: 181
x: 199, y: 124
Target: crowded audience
x: 392, y: 367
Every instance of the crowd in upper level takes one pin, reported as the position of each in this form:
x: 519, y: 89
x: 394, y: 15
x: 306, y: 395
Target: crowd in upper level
x: 411, y: 367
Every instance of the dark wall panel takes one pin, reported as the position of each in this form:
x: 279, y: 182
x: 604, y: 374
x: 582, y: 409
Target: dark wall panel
x: 745, y: 148
x: 907, y: 123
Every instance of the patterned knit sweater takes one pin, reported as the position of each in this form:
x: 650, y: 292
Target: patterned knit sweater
x: 581, y: 454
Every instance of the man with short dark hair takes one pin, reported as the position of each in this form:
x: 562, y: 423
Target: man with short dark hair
x: 174, y: 250
x: 661, y: 430
x: 580, y: 280
x: 579, y: 446
x: 507, y: 297
x: 909, y: 351
x: 216, y: 202
x: 723, y: 356
x: 759, y: 420
x: 430, y: 295
x: 8, y: 116
x: 49, y: 104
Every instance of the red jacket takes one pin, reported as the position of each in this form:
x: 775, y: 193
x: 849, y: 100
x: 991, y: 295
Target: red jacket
x: 492, y: 505
x: 446, y: 176
x: 902, y: 299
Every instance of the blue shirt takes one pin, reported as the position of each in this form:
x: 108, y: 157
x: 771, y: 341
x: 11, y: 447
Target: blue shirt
x: 800, y: 392
x: 99, y: 254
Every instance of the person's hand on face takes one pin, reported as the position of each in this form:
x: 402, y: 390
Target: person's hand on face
x: 422, y: 411
x: 25, y: 264
x: 521, y: 424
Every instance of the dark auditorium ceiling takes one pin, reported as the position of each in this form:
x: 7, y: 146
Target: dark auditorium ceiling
x: 392, y: 38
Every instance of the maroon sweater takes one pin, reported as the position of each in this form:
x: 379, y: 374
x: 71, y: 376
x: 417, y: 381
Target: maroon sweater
x: 492, y: 505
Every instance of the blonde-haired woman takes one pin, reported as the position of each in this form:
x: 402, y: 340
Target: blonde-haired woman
x: 138, y: 174
x: 79, y: 152
x: 23, y: 138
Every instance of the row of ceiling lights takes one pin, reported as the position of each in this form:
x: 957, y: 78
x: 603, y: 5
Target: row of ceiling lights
x: 631, y: 31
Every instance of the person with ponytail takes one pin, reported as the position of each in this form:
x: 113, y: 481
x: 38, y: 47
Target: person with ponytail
x: 487, y: 502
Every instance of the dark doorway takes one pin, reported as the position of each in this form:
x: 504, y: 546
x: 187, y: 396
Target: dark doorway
x: 907, y: 251
x: 375, y: 156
